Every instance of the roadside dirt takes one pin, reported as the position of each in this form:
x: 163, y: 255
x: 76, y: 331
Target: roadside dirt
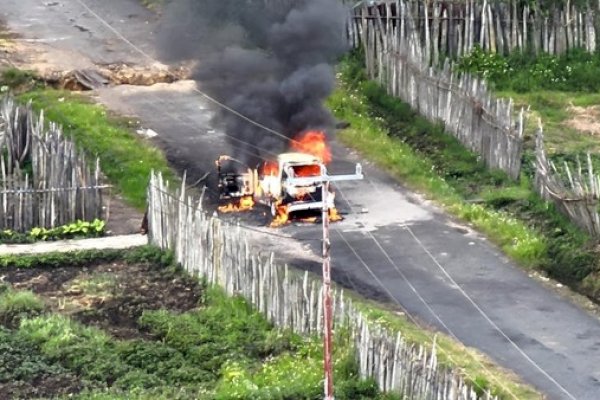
x: 109, y: 296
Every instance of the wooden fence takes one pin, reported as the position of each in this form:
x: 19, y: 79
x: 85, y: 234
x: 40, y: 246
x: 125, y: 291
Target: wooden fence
x: 484, y: 124
x: 44, y: 181
x: 454, y: 27
x: 575, y: 193
x: 220, y: 252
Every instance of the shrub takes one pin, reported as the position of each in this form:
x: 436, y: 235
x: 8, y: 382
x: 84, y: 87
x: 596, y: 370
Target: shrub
x: 16, y: 305
x: 20, y: 361
x: 522, y: 72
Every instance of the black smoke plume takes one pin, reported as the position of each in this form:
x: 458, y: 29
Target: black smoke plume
x: 270, y: 60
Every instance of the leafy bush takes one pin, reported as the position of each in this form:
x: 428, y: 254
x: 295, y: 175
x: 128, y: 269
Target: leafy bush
x: 53, y: 260
x: 14, y: 78
x: 16, y: 305
x: 75, y: 230
x: 87, y: 351
x: 227, y: 329
x: 20, y: 361
x: 150, y: 254
x: 576, y: 70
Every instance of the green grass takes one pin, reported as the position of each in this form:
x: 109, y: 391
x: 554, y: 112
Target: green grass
x: 16, y: 305
x: 20, y: 362
x: 475, y: 367
x: 223, y: 349
x: 553, y: 109
x: 15, y: 79
x: 125, y: 158
x: 370, y: 134
x: 428, y: 160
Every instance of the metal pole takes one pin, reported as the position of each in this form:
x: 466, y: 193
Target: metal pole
x: 327, y: 309
x: 325, y: 180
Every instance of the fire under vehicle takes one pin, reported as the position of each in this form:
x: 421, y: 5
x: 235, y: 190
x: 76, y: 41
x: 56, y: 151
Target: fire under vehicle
x: 289, y: 186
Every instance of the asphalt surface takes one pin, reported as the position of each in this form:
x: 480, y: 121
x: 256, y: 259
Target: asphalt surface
x: 392, y: 245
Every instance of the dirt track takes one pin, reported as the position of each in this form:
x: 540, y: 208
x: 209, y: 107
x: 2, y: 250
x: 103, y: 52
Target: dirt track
x: 443, y: 273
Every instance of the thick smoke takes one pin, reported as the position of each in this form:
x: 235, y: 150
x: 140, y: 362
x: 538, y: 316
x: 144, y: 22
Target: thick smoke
x: 270, y: 60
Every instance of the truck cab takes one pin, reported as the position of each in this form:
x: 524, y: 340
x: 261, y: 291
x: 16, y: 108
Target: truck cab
x: 279, y: 190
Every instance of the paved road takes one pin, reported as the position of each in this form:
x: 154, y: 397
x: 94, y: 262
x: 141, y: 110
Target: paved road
x: 391, y: 244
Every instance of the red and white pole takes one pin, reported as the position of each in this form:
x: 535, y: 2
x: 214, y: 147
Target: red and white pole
x: 327, y: 307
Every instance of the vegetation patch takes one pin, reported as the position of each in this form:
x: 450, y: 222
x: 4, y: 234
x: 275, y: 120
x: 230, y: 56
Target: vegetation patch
x: 17, y: 80
x: 54, y: 260
x: 139, y: 328
x: 75, y: 230
x: 562, y: 90
x: 125, y: 158
x: 480, y: 371
x: 510, y: 213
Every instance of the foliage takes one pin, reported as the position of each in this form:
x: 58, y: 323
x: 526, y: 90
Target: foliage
x: 235, y: 330
x: 226, y: 350
x: 16, y: 79
x: 53, y: 260
x: 151, y: 255
x: 75, y: 230
x: 141, y: 254
x: 426, y: 158
x: 125, y: 159
x: 16, y: 305
x: 576, y: 70
x: 19, y: 361
x: 511, y: 214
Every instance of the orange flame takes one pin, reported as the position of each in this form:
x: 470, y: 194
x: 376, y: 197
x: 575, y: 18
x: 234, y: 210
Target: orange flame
x: 307, y: 170
x: 282, y: 216
x: 270, y: 168
x: 243, y: 204
x: 334, y: 215
x: 313, y: 142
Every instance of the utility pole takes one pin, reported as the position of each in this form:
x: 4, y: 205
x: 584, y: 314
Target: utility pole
x: 325, y: 180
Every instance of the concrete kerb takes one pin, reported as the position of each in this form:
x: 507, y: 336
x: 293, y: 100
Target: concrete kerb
x: 64, y: 246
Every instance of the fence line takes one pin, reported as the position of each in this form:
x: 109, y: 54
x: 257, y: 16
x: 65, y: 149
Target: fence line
x: 44, y: 181
x: 575, y: 194
x: 395, y: 58
x: 454, y: 28
x: 222, y: 255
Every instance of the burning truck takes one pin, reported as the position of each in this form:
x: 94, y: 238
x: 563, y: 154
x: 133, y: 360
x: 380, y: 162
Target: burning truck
x: 283, y: 185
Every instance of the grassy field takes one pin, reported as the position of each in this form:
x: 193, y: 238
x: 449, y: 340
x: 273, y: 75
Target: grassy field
x: 421, y: 155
